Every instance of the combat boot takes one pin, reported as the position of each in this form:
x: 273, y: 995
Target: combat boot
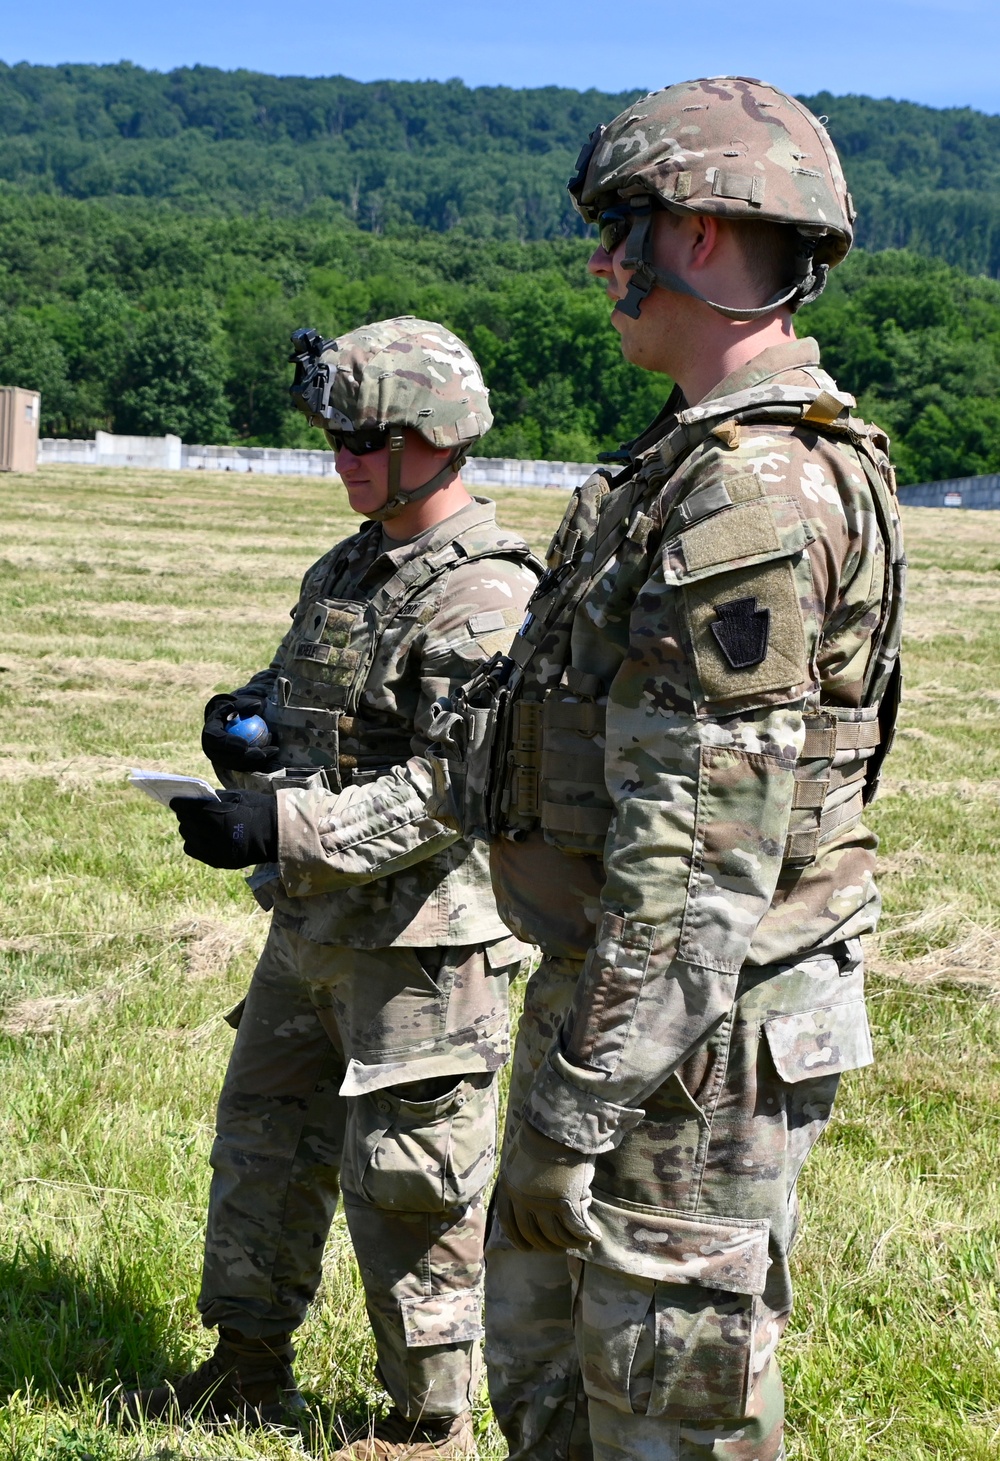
x: 245, y: 1380
x: 434, y: 1438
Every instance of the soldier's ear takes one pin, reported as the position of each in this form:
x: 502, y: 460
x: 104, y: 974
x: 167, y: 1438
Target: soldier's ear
x: 705, y: 238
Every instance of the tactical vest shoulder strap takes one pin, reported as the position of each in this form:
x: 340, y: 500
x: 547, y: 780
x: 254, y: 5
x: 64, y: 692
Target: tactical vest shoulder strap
x: 470, y: 546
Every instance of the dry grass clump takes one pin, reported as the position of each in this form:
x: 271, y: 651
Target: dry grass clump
x: 210, y: 943
x: 971, y: 957
x: 49, y: 1016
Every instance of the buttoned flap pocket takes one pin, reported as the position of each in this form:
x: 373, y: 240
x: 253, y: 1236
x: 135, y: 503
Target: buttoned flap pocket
x: 742, y: 576
x: 820, y: 1042
x: 443, y: 1317
x: 424, y: 1156
x: 729, y: 1254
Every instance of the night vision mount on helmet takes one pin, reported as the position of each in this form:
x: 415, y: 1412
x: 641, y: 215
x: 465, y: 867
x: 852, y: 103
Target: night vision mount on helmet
x: 731, y: 147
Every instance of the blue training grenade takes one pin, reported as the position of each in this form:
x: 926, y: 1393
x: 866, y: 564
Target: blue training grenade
x: 250, y: 729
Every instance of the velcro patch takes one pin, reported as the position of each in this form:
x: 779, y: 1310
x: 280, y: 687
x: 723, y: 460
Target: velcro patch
x: 717, y: 496
x: 487, y: 622
x: 320, y: 653
x: 742, y: 631
x: 315, y: 622
x: 743, y: 532
x: 740, y: 661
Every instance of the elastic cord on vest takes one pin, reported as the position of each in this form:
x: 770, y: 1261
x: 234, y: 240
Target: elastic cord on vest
x: 809, y: 283
x: 397, y: 499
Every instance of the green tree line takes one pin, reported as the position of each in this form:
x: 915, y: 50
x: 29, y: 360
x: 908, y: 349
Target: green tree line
x: 150, y: 320
x: 491, y: 161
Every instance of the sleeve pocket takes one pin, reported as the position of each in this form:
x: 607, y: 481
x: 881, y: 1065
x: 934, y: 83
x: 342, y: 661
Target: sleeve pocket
x: 820, y: 1042
x: 741, y: 600
x: 741, y: 537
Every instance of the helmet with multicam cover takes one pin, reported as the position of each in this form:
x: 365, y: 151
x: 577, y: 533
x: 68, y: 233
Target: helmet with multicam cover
x: 380, y: 379
x: 728, y: 146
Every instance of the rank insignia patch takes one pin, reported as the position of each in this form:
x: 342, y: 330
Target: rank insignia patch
x: 741, y: 632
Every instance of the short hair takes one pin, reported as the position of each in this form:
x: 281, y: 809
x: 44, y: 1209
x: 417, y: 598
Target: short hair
x: 769, y: 251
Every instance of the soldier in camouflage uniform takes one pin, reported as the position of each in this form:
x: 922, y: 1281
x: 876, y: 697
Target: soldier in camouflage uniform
x: 368, y: 1045
x: 684, y: 736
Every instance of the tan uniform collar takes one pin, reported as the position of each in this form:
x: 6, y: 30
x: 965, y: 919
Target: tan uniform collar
x: 481, y: 511
x: 776, y: 360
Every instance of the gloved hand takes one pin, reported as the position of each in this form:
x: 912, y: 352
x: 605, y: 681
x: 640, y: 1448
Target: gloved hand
x: 239, y: 829
x: 543, y: 1193
x: 230, y: 752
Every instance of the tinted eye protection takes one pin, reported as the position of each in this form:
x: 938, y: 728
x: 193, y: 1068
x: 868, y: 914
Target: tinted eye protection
x: 360, y: 443
x: 613, y: 225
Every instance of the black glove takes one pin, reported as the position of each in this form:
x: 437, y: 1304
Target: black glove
x: 229, y: 752
x: 239, y: 829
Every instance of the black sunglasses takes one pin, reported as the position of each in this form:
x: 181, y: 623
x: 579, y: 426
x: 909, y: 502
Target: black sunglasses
x: 360, y: 443
x: 613, y: 225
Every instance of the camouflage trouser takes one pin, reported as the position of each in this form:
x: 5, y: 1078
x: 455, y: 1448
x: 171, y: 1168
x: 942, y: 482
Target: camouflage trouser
x: 659, y: 1347
x: 411, y: 1156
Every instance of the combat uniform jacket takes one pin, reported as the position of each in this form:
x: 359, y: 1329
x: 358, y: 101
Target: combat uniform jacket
x: 379, y: 637
x: 679, y: 785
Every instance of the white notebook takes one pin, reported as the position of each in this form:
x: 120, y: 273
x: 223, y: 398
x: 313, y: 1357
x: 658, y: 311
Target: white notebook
x: 163, y: 786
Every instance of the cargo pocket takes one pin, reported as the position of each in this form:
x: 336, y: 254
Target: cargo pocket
x: 443, y: 1318
x: 668, y: 1306
x: 424, y: 1156
x: 679, y: 1352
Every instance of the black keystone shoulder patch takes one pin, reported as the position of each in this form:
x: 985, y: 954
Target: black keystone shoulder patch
x: 741, y: 632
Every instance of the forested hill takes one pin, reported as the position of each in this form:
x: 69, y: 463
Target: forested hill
x: 490, y: 161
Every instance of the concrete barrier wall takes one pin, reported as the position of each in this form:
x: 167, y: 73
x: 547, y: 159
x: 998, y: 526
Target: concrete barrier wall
x: 170, y: 453
x: 978, y: 492
x: 69, y: 451
x: 277, y: 461
x: 512, y: 472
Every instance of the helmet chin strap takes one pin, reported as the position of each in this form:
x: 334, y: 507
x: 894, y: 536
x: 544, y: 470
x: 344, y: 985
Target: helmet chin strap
x: 646, y: 275
x: 397, y: 499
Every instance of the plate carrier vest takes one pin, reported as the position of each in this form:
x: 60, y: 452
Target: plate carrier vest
x: 535, y: 753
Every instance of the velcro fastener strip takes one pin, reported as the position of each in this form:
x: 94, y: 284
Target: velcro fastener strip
x: 858, y: 735
x: 748, y: 186
x: 583, y: 769
x: 820, y: 741
x: 593, y: 821
x: 809, y: 794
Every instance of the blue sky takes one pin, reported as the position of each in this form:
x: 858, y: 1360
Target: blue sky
x: 940, y: 52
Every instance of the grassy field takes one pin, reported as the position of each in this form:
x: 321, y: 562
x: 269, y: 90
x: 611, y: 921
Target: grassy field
x: 126, y: 599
